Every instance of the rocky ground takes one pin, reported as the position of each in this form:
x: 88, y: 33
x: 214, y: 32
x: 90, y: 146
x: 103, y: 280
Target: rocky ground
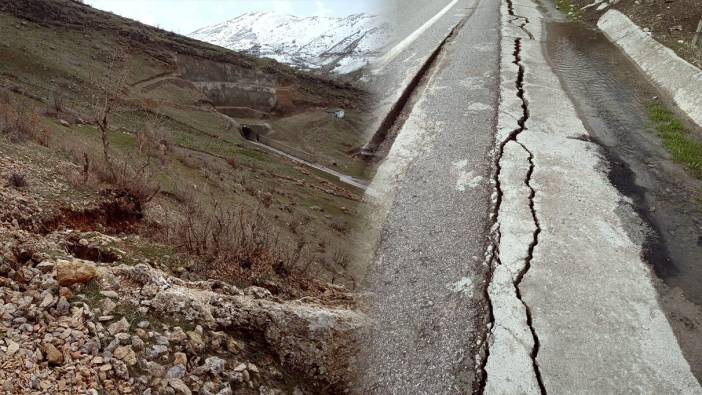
x: 79, y: 313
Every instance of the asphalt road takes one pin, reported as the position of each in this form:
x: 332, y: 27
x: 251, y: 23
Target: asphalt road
x: 406, y: 16
x: 426, y: 284
x: 419, y: 28
x: 570, y: 306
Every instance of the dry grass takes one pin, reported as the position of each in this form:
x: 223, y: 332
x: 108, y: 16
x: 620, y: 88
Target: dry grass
x: 220, y: 234
x: 237, y: 245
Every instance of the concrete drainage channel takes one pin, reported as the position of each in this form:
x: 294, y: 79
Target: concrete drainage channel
x: 612, y: 98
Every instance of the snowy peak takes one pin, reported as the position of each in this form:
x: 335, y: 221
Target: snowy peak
x: 339, y: 44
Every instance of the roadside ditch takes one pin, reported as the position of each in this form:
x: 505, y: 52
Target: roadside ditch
x: 612, y: 99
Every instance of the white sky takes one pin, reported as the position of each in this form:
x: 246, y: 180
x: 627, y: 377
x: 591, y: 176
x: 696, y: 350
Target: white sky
x: 186, y: 16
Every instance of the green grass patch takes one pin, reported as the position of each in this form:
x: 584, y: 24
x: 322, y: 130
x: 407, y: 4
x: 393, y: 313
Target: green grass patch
x: 91, y: 291
x: 568, y: 8
x: 683, y: 147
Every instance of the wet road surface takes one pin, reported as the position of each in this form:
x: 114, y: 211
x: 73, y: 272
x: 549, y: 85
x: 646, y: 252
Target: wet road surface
x: 612, y: 98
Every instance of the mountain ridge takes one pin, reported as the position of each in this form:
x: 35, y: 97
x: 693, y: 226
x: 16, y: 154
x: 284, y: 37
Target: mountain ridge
x: 337, y: 44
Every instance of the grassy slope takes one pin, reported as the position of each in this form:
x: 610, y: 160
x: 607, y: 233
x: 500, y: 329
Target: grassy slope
x: 64, y: 46
x: 683, y: 147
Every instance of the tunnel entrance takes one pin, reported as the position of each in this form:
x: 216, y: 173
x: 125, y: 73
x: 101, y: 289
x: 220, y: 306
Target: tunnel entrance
x: 248, y: 133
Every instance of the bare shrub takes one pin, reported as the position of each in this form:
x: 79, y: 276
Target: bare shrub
x: 43, y: 137
x: 266, y: 198
x: 190, y: 161
x: 153, y: 141
x: 149, y: 104
x: 140, y: 181
x: 137, y: 179
x: 341, y: 259
x: 17, y: 180
x: 57, y: 100
x: 18, y: 122
x: 340, y: 226
x: 223, y: 236
x: 110, y: 88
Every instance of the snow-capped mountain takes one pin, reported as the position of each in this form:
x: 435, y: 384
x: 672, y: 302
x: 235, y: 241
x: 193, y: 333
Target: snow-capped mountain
x: 338, y: 44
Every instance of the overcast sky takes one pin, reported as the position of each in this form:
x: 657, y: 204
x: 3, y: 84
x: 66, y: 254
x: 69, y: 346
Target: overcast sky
x: 185, y: 16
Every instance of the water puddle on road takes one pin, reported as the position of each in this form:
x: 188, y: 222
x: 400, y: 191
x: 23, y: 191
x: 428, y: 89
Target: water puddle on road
x: 612, y: 97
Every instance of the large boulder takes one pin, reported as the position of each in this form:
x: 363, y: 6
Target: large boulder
x: 74, y: 272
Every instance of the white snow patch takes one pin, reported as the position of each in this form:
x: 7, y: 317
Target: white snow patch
x: 344, y: 44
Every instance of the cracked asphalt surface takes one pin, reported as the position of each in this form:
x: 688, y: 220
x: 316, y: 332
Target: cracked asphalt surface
x: 596, y: 322
x: 427, y: 283
x: 504, y: 260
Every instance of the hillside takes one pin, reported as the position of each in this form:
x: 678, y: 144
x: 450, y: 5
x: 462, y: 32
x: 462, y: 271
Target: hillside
x: 341, y: 45
x: 122, y: 157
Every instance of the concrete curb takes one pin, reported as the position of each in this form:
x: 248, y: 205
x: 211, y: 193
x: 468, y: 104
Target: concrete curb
x: 676, y: 77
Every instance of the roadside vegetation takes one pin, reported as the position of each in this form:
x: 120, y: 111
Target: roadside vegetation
x: 567, y: 7
x: 677, y: 139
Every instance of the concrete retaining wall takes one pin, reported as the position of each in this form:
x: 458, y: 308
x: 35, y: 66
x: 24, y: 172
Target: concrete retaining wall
x: 676, y: 77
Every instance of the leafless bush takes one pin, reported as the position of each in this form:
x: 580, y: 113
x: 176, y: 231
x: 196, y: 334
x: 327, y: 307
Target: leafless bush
x: 124, y: 174
x: 153, y: 141
x: 92, y: 171
x: 266, y: 198
x: 18, y: 122
x: 340, y: 226
x: 223, y: 236
x: 43, y: 136
x: 110, y: 88
x: 17, y: 180
x: 57, y: 99
x: 139, y: 181
x: 341, y: 259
